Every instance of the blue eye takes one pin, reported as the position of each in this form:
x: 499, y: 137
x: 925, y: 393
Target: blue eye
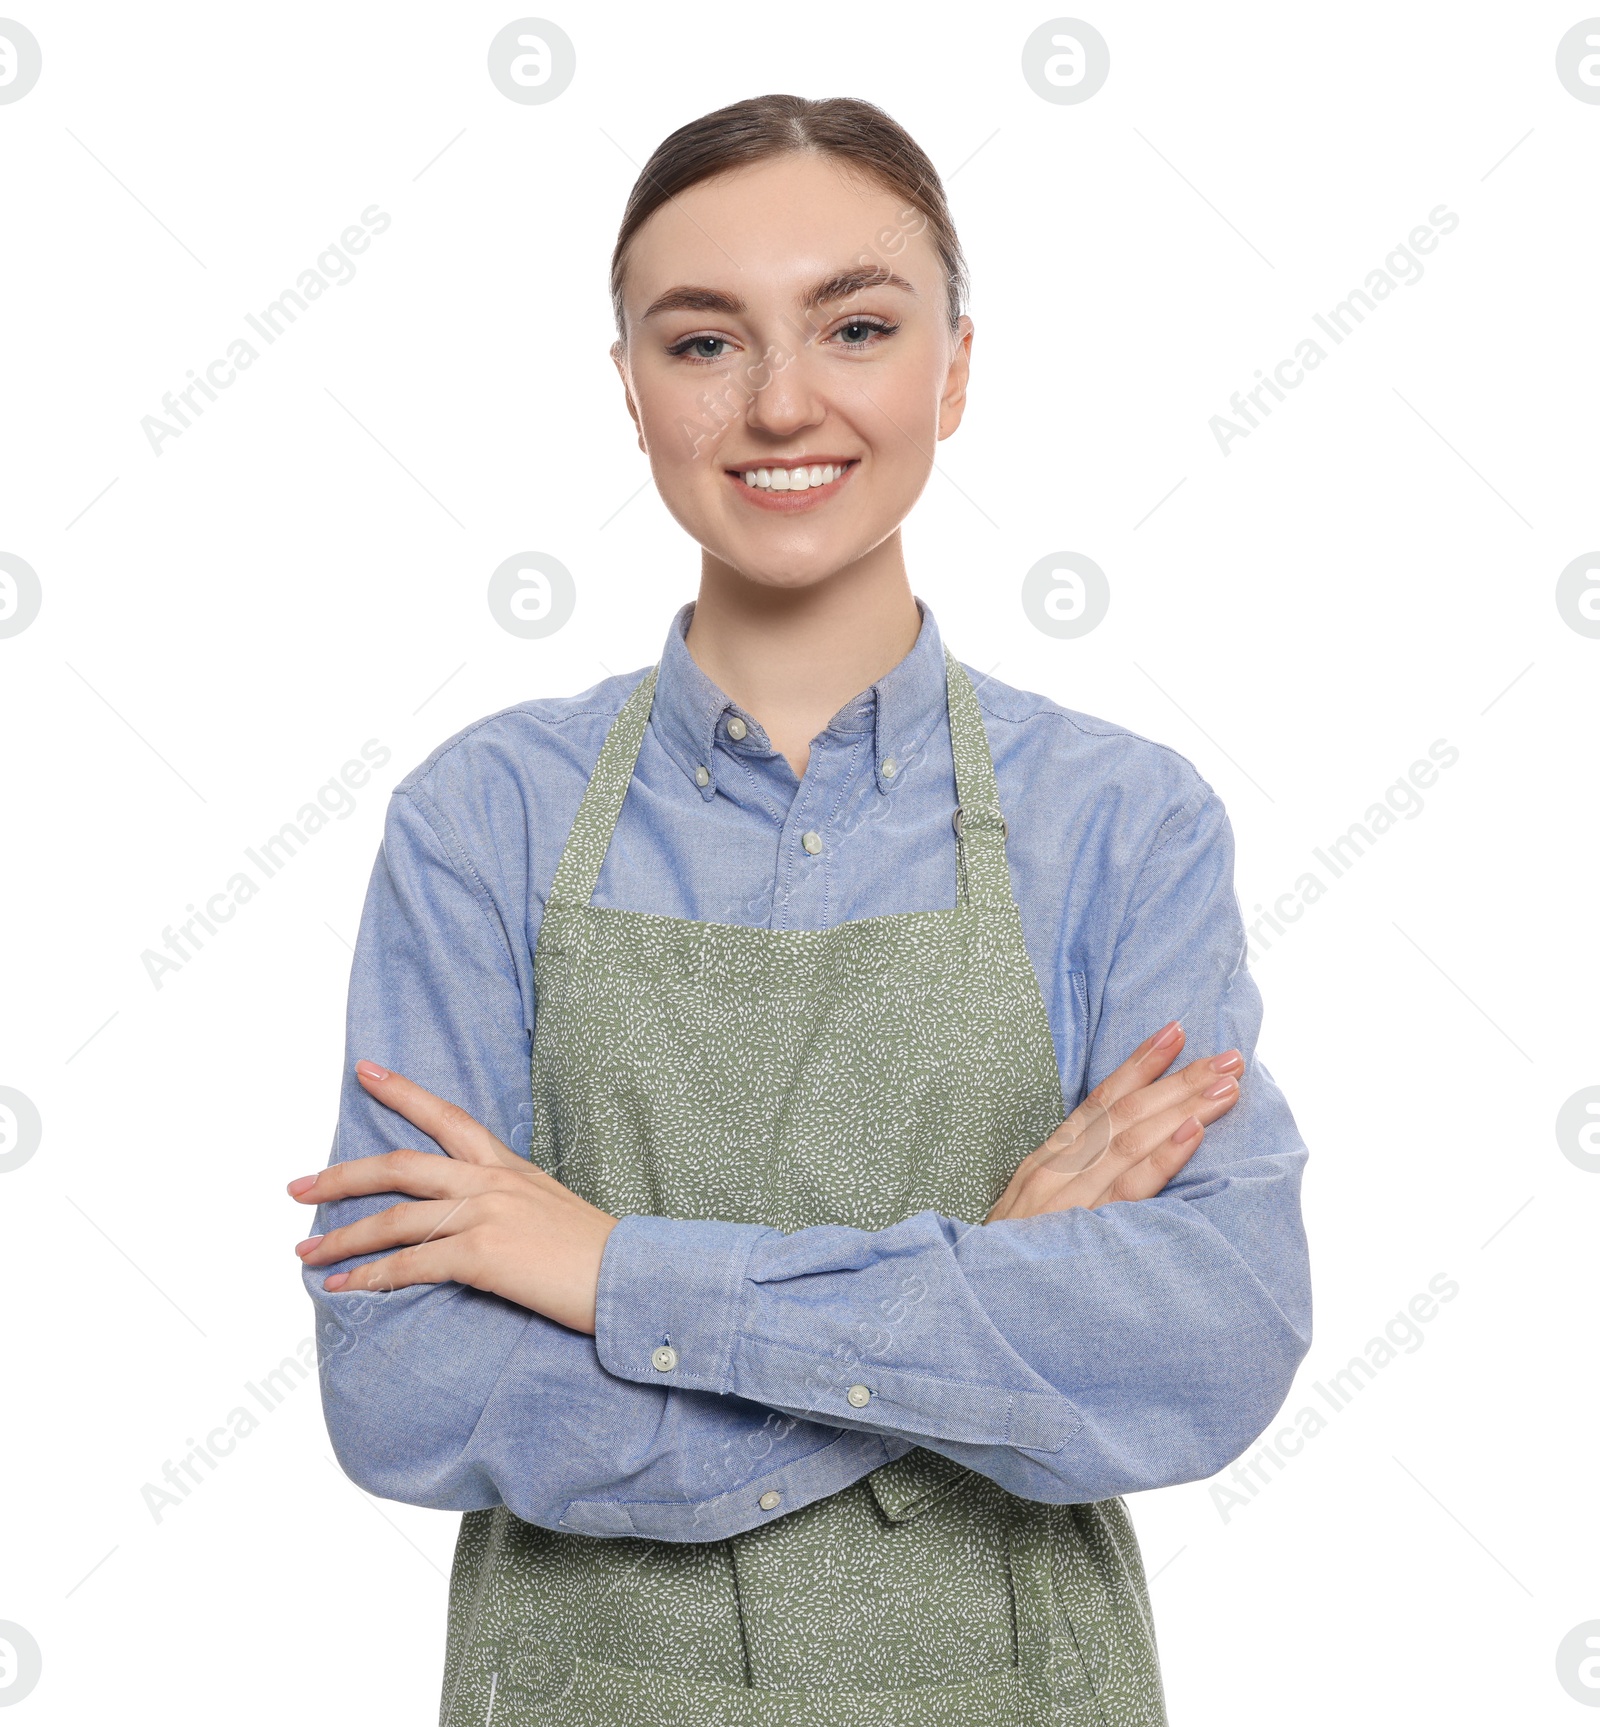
x: 881, y: 326
x: 681, y: 348
x: 877, y: 330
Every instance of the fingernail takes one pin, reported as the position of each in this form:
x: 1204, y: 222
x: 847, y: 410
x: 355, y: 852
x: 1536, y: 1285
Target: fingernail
x: 300, y: 1184
x: 337, y: 1281
x: 1167, y: 1036
x: 304, y: 1247
x: 1222, y: 1089
x: 1229, y: 1062
x: 1187, y: 1131
x: 371, y: 1070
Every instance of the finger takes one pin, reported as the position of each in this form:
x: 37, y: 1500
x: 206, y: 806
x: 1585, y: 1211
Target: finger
x: 399, y: 1226
x: 1145, y: 1179
x: 1093, y: 1120
x: 1102, y: 1120
x: 1141, y: 1139
x: 433, y: 1262
x: 424, y: 1174
x: 1151, y: 1059
x: 1124, y: 1175
x: 1141, y: 1162
x: 1107, y: 1150
x: 1159, y: 1135
x: 447, y: 1124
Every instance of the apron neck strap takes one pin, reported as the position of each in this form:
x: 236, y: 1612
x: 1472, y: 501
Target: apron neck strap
x: 982, y: 874
x: 596, y: 820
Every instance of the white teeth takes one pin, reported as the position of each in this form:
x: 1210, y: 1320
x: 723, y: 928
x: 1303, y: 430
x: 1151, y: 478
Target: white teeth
x: 793, y: 479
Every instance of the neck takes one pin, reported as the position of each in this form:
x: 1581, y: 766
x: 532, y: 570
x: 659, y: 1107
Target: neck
x: 792, y: 657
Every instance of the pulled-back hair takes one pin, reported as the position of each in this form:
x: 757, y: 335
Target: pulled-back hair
x: 853, y: 131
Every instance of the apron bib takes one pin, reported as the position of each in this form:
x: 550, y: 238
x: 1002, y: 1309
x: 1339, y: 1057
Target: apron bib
x: 853, y: 1075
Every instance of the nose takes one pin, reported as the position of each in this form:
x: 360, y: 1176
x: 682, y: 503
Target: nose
x: 786, y: 399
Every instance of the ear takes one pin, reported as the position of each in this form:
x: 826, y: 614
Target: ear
x: 953, y: 398
x: 619, y: 358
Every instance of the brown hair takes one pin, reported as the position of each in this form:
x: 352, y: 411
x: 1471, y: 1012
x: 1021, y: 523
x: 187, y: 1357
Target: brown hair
x: 761, y: 127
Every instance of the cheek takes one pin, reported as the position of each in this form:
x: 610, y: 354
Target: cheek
x: 678, y: 439
x: 904, y: 402
x: 900, y: 423
x: 685, y: 416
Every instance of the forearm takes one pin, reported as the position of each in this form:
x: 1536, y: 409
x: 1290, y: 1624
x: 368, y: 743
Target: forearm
x: 445, y: 1396
x: 1069, y: 1357
x: 442, y: 1396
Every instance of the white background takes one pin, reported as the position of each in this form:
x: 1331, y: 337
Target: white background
x: 305, y: 568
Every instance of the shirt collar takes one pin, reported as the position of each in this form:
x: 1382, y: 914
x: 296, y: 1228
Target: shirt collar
x: 690, y: 714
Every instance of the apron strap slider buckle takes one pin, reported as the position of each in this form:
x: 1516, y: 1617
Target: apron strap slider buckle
x: 955, y: 822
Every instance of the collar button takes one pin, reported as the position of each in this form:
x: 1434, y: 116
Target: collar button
x: 737, y: 728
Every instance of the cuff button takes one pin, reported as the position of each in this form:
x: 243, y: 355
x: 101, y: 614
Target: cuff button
x: 665, y: 1358
x: 857, y: 1396
x: 769, y: 1500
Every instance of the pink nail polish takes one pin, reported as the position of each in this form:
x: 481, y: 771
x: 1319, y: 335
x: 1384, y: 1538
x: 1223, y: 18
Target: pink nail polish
x: 304, y: 1247
x: 1230, y: 1062
x: 337, y: 1281
x: 1223, y: 1089
x: 1167, y: 1036
x: 299, y: 1186
x: 371, y: 1070
x: 1186, y: 1131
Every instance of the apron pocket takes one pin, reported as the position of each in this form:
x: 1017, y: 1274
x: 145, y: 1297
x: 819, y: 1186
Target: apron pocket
x: 833, y: 1595
x: 1101, y: 1610
x: 910, y: 1484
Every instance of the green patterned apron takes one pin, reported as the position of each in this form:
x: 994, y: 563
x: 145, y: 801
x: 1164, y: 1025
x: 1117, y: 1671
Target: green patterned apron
x: 852, y: 1075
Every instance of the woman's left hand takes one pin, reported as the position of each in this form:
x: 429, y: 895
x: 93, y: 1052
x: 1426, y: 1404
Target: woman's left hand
x: 481, y: 1216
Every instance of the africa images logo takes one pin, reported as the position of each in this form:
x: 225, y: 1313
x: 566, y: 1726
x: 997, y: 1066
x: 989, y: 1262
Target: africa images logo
x: 1401, y: 268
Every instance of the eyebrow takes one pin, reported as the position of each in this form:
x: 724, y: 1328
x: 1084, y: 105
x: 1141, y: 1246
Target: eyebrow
x: 835, y: 287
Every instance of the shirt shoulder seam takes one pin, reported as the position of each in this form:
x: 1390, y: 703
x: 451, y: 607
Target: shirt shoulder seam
x: 1067, y: 717
x: 459, y: 859
x: 424, y: 769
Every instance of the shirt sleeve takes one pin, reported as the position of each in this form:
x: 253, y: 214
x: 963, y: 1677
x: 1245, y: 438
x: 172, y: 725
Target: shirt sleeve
x: 444, y: 1396
x: 1071, y: 1356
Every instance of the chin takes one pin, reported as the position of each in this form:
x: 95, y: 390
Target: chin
x: 789, y: 576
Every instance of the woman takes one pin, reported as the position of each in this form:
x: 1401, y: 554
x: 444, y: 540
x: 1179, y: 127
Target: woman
x: 867, y: 1252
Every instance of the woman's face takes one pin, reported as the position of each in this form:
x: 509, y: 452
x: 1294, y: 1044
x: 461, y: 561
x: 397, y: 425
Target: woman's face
x: 783, y: 311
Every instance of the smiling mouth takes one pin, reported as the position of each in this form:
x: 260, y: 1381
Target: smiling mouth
x: 791, y: 488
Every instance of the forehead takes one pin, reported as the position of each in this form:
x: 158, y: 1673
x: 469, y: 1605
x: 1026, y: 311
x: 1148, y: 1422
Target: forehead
x: 774, y: 228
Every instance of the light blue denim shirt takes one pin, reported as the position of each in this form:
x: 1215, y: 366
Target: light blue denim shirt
x: 1069, y: 1357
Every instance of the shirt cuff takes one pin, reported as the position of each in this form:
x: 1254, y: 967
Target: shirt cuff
x: 675, y: 1307
x: 667, y: 1303
x: 836, y: 1466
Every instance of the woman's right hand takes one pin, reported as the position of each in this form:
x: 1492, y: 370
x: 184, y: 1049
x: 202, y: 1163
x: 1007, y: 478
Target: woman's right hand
x: 1130, y: 1135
